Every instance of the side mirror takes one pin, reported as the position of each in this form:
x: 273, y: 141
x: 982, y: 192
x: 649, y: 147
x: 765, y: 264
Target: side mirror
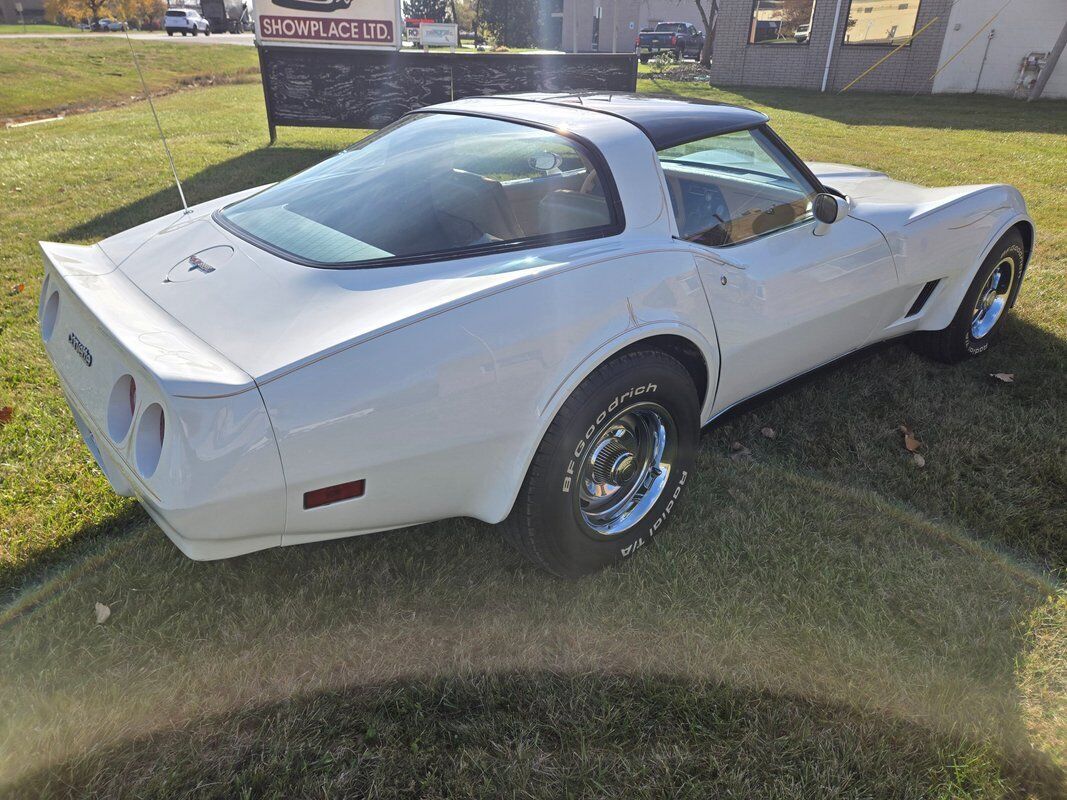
x: 828, y: 209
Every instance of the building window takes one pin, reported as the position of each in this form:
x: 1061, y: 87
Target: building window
x: 781, y: 21
x: 887, y: 22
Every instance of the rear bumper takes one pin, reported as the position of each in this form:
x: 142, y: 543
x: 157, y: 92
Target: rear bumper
x: 209, y: 473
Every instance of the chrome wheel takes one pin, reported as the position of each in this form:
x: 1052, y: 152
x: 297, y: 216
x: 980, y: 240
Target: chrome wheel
x: 626, y: 468
x: 993, y: 299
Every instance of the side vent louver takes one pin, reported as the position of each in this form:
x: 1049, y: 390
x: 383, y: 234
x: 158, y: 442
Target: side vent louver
x: 924, y: 295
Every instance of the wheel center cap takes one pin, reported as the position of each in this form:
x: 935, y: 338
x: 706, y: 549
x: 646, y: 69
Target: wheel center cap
x: 623, y: 469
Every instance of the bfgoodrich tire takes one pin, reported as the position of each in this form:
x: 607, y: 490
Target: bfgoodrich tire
x: 981, y: 314
x: 612, y: 466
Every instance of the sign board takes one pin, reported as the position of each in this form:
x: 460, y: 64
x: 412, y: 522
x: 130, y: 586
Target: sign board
x: 412, y: 27
x: 18, y: 8
x: 354, y: 23
x: 436, y: 33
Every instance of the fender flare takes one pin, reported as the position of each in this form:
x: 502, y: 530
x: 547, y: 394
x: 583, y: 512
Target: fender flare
x: 554, y: 400
x: 949, y: 303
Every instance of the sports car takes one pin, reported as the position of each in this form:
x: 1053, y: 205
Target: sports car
x: 520, y: 309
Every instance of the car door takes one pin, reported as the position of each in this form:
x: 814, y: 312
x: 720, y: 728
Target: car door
x: 787, y: 292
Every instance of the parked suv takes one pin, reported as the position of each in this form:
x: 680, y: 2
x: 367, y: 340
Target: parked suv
x: 185, y: 21
x: 803, y: 33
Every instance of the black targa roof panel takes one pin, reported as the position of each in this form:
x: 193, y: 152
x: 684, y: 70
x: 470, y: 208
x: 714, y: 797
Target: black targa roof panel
x: 667, y: 121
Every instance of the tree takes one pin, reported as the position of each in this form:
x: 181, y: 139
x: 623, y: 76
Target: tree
x: 709, y: 17
x: 425, y: 9
x: 138, y: 11
x: 56, y: 10
x: 513, y: 23
x: 463, y: 15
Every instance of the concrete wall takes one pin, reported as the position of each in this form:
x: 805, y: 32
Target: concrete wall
x: 638, y: 12
x: 32, y: 10
x: 738, y: 63
x: 1022, y: 27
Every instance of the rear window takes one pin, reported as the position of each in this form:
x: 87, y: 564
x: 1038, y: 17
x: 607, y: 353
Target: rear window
x: 175, y: 13
x: 433, y: 186
x: 675, y: 27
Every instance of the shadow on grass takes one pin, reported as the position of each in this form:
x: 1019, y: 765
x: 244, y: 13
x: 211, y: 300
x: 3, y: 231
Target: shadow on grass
x: 254, y: 168
x: 49, y: 563
x: 959, y: 112
x: 547, y: 735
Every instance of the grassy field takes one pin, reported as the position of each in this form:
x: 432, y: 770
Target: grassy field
x: 52, y: 76
x: 42, y: 28
x: 824, y: 620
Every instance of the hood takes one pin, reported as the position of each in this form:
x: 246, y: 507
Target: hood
x: 888, y: 203
x: 268, y: 315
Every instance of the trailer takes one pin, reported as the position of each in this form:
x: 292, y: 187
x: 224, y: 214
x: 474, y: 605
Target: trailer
x: 225, y: 15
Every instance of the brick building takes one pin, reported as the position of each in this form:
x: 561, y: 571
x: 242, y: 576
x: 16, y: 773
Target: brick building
x: 986, y: 46
x: 866, y: 31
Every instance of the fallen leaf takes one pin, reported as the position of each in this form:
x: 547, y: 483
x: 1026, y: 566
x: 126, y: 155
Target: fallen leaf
x: 102, y: 613
x: 768, y: 432
x: 740, y: 452
x: 1003, y: 377
x: 918, y: 460
x: 5, y: 414
x: 911, y: 444
x: 17, y: 289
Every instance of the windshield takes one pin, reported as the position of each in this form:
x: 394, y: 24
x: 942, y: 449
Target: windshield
x: 432, y: 186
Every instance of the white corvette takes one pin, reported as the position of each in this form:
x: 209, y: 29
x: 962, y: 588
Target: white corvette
x: 510, y: 308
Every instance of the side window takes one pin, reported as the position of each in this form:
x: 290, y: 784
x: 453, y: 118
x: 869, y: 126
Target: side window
x: 733, y: 187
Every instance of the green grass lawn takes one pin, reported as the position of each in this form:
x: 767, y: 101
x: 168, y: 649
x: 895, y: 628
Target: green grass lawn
x: 40, y: 28
x: 825, y: 620
x: 53, y: 76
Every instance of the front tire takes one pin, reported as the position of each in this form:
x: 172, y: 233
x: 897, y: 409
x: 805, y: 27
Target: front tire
x: 981, y: 314
x: 611, y: 467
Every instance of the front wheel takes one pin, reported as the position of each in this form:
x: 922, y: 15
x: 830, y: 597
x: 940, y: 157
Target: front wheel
x: 981, y: 315
x: 611, y: 467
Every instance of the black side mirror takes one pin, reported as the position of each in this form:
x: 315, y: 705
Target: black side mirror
x: 829, y: 208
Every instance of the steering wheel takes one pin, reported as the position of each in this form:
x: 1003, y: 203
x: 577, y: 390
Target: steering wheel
x: 591, y: 182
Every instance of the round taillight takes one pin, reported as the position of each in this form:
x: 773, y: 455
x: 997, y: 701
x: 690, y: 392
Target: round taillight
x: 48, y: 316
x: 148, y: 446
x: 120, y: 408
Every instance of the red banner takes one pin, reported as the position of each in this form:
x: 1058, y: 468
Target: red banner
x: 367, y: 31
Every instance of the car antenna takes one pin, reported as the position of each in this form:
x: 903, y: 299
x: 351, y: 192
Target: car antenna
x: 151, y: 105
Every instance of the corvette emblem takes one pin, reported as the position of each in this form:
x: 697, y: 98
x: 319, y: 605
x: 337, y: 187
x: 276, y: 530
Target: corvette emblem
x: 200, y: 263
x: 196, y: 262
x: 80, y: 349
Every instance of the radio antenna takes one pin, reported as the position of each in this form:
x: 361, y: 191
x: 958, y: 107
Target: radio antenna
x: 151, y: 105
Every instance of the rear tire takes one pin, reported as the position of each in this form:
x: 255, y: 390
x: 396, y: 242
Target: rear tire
x: 610, y: 468
x: 981, y: 314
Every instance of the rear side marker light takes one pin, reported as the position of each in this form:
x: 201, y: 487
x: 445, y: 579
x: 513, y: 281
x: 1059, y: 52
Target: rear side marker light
x: 334, y: 494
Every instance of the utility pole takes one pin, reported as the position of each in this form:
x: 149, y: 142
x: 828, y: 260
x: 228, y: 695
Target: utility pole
x: 614, y: 24
x: 1050, y: 64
